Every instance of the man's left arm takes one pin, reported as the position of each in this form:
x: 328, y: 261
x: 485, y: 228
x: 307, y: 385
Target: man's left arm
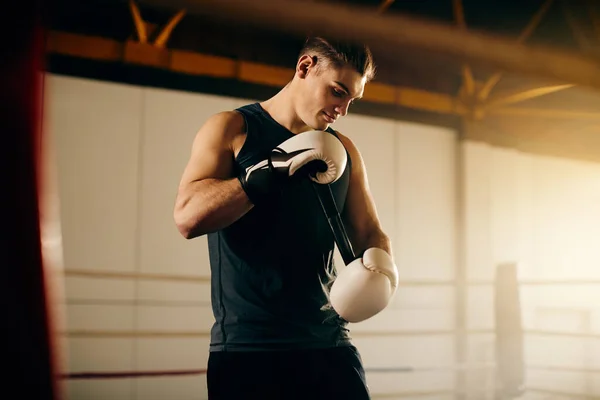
x: 365, y: 286
x: 360, y: 213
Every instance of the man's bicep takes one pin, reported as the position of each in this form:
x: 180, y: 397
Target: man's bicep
x: 212, y: 150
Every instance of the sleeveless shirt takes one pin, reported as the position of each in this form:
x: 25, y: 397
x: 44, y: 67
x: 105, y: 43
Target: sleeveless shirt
x: 271, y: 268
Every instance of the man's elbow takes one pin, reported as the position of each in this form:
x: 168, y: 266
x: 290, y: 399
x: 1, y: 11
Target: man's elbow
x: 183, y: 228
x: 187, y: 228
x: 185, y: 231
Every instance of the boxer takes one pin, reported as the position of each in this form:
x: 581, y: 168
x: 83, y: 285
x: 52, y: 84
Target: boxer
x: 281, y: 306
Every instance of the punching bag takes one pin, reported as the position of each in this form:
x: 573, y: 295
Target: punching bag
x: 27, y: 353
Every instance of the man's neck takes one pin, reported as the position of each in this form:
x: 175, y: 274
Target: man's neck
x: 281, y: 108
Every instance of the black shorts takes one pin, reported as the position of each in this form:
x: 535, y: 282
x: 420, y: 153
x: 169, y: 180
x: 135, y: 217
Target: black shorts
x: 333, y: 373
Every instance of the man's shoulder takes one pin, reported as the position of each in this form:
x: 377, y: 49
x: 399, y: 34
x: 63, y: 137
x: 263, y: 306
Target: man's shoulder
x: 226, y: 116
x: 224, y: 127
x: 230, y: 121
x: 347, y: 142
x: 248, y: 106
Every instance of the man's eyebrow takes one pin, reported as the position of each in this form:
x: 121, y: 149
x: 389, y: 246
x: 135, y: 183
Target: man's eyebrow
x: 346, y: 88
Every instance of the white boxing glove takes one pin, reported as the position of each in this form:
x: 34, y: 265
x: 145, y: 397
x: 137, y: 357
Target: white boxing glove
x: 365, y: 286
x: 320, y: 153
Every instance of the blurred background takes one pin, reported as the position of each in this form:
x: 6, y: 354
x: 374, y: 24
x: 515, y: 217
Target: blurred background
x: 481, y: 138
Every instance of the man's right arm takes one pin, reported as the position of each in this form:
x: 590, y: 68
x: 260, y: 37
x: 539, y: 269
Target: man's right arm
x: 210, y: 197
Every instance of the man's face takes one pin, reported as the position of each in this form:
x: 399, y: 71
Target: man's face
x: 326, y: 94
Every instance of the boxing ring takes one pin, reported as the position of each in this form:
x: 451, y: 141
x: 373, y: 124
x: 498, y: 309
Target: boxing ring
x: 507, y: 374
x: 33, y: 216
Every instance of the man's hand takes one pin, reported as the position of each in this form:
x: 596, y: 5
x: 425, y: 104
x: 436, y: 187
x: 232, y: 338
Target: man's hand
x: 365, y: 286
x: 318, y: 154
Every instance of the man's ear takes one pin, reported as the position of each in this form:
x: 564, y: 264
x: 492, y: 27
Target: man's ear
x: 305, y: 64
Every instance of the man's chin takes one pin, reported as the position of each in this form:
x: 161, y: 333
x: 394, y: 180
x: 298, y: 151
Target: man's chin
x: 318, y: 124
x: 321, y: 126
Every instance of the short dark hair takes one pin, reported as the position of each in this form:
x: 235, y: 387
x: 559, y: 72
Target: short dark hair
x: 340, y: 54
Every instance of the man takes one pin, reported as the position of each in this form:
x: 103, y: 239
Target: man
x: 278, y: 334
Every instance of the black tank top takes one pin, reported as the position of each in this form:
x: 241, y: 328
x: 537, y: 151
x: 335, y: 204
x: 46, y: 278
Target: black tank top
x: 270, y: 269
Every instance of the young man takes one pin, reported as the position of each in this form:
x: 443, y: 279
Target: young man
x: 278, y: 334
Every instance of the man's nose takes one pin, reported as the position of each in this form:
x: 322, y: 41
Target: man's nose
x: 342, y: 109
